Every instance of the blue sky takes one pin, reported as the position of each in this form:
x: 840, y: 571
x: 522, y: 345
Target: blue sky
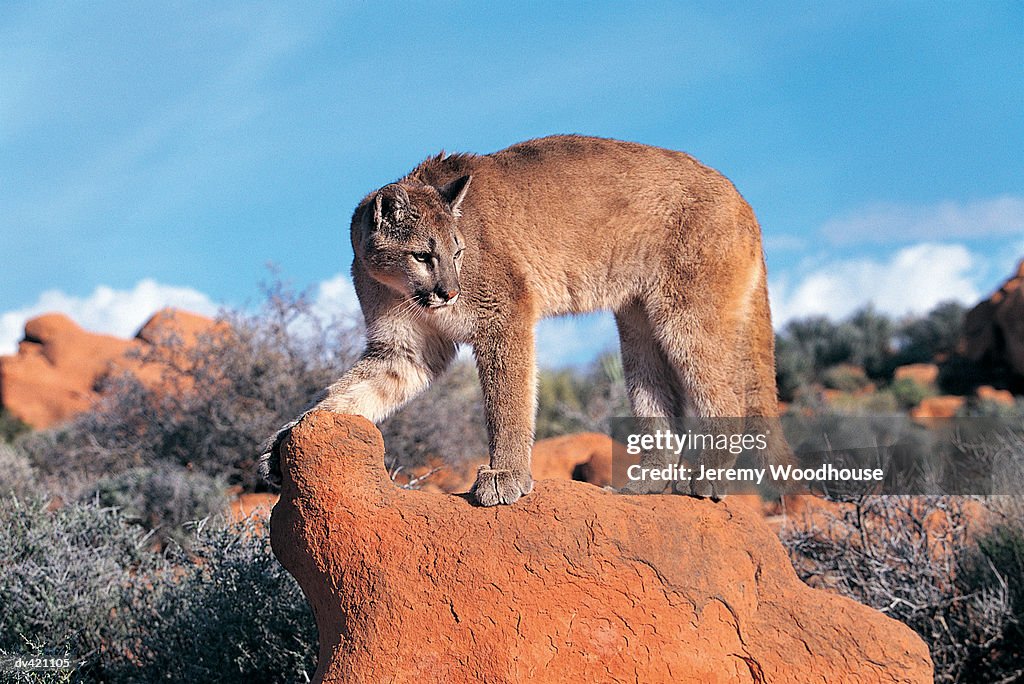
x: 155, y: 153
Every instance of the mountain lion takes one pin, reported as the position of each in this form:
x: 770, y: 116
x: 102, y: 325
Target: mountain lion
x: 476, y: 249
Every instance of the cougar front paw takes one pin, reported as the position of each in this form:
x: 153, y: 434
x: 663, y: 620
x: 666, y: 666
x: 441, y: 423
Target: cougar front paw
x: 500, y: 486
x: 702, y: 489
x: 269, y: 465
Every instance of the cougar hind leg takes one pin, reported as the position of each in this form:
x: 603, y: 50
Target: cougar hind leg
x: 651, y: 385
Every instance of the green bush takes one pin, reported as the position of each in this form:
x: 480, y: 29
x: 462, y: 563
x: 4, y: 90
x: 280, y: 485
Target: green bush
x: 845, y: 378
x: 986, y: 408
x: 11, y: 427
x: 573, y: 401
x: 908, y: 392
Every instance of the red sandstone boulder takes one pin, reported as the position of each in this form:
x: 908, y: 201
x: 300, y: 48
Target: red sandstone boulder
x: 922, y: 373
x: 994, y: 329
x: 250, y: 504
x: 996, y: 396
x: 582, y: 456
x: 943, y: 406
x: 571, y: 584
x: 54, y: 375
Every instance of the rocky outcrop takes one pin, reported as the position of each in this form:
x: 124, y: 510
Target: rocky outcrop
x: 582, y: 456
x: 996, y: 396
x: 926, y: 374
x: 994, y: 329
x: 55, y: 374
x: 942, y: 406
x: 572, y: 583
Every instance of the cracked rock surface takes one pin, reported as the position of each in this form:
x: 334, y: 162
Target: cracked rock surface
x: 570, y: 584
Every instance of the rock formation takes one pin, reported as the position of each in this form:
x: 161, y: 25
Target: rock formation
x: 54, y: 375
x: 926, y: 374
x: 582, y: 456
x: 942, y: 406
x: 994, y: 329
x: 571, y: 584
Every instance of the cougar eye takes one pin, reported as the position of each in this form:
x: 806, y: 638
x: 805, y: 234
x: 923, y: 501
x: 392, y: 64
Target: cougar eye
x: 458, y: 255
x: 422, y: 257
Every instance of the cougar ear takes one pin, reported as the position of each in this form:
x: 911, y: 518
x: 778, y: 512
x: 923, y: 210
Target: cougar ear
x: 453, y: 193
x: 390, y: 206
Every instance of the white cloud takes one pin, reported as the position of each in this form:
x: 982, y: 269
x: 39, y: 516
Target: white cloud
x: 573, y: 340
x: 106, y: 310
x: 335, y: 297
x: 892, y: 223
x: 914, y: 279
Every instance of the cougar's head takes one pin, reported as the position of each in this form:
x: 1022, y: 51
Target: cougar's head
x: 408, y: 238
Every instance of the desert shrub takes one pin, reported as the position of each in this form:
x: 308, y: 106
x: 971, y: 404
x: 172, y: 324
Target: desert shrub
x: 67, y: 578
x: 11, y: 427
x: 986, y: 408
x: 82, y: 580
x: 231, y: 613
x: 845, y: 378
x: 163, y: 498
x: 446, y: 421
x: 872, y: 336
x: 571, y: 401
x: 908, y: 392
x: 17, y: 475
x: 794, y: 369
x: 218, y: 400
x: 823, y: 342
x: 922, y: 339
x: 906, y: 556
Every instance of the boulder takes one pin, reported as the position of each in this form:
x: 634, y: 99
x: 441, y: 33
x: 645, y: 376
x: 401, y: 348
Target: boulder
x: 571, y: 584
x: 994, y: 328
x: 996, y: 396
x: 942, y: 406
x: 251, y: 505
x: 55, y: 374
x: 926, y: 374
x: 582, y: 456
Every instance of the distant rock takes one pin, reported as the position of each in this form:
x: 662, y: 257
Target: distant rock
x: 250, y: 505
x: 943, y: 406
x: 926, y: 374
x: 581, y: 456
x: 570, y: 584
x: 58, y: 366
x: 994, y: 329
x: 996, y: 396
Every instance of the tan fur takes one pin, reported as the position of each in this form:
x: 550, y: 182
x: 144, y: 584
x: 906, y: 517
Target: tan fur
x: 555, y: 226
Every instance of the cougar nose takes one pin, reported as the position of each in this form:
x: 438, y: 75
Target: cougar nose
x: 448, y: 295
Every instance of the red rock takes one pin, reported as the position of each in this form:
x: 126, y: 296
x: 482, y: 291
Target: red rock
x: 251, y: 505
x: 570, y: 584
x: 54, y: 375
x: 994, y: 329
x: 989, y: 393
x: 922, y: 373
x: 943, y: 406
x: 582, y: 456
